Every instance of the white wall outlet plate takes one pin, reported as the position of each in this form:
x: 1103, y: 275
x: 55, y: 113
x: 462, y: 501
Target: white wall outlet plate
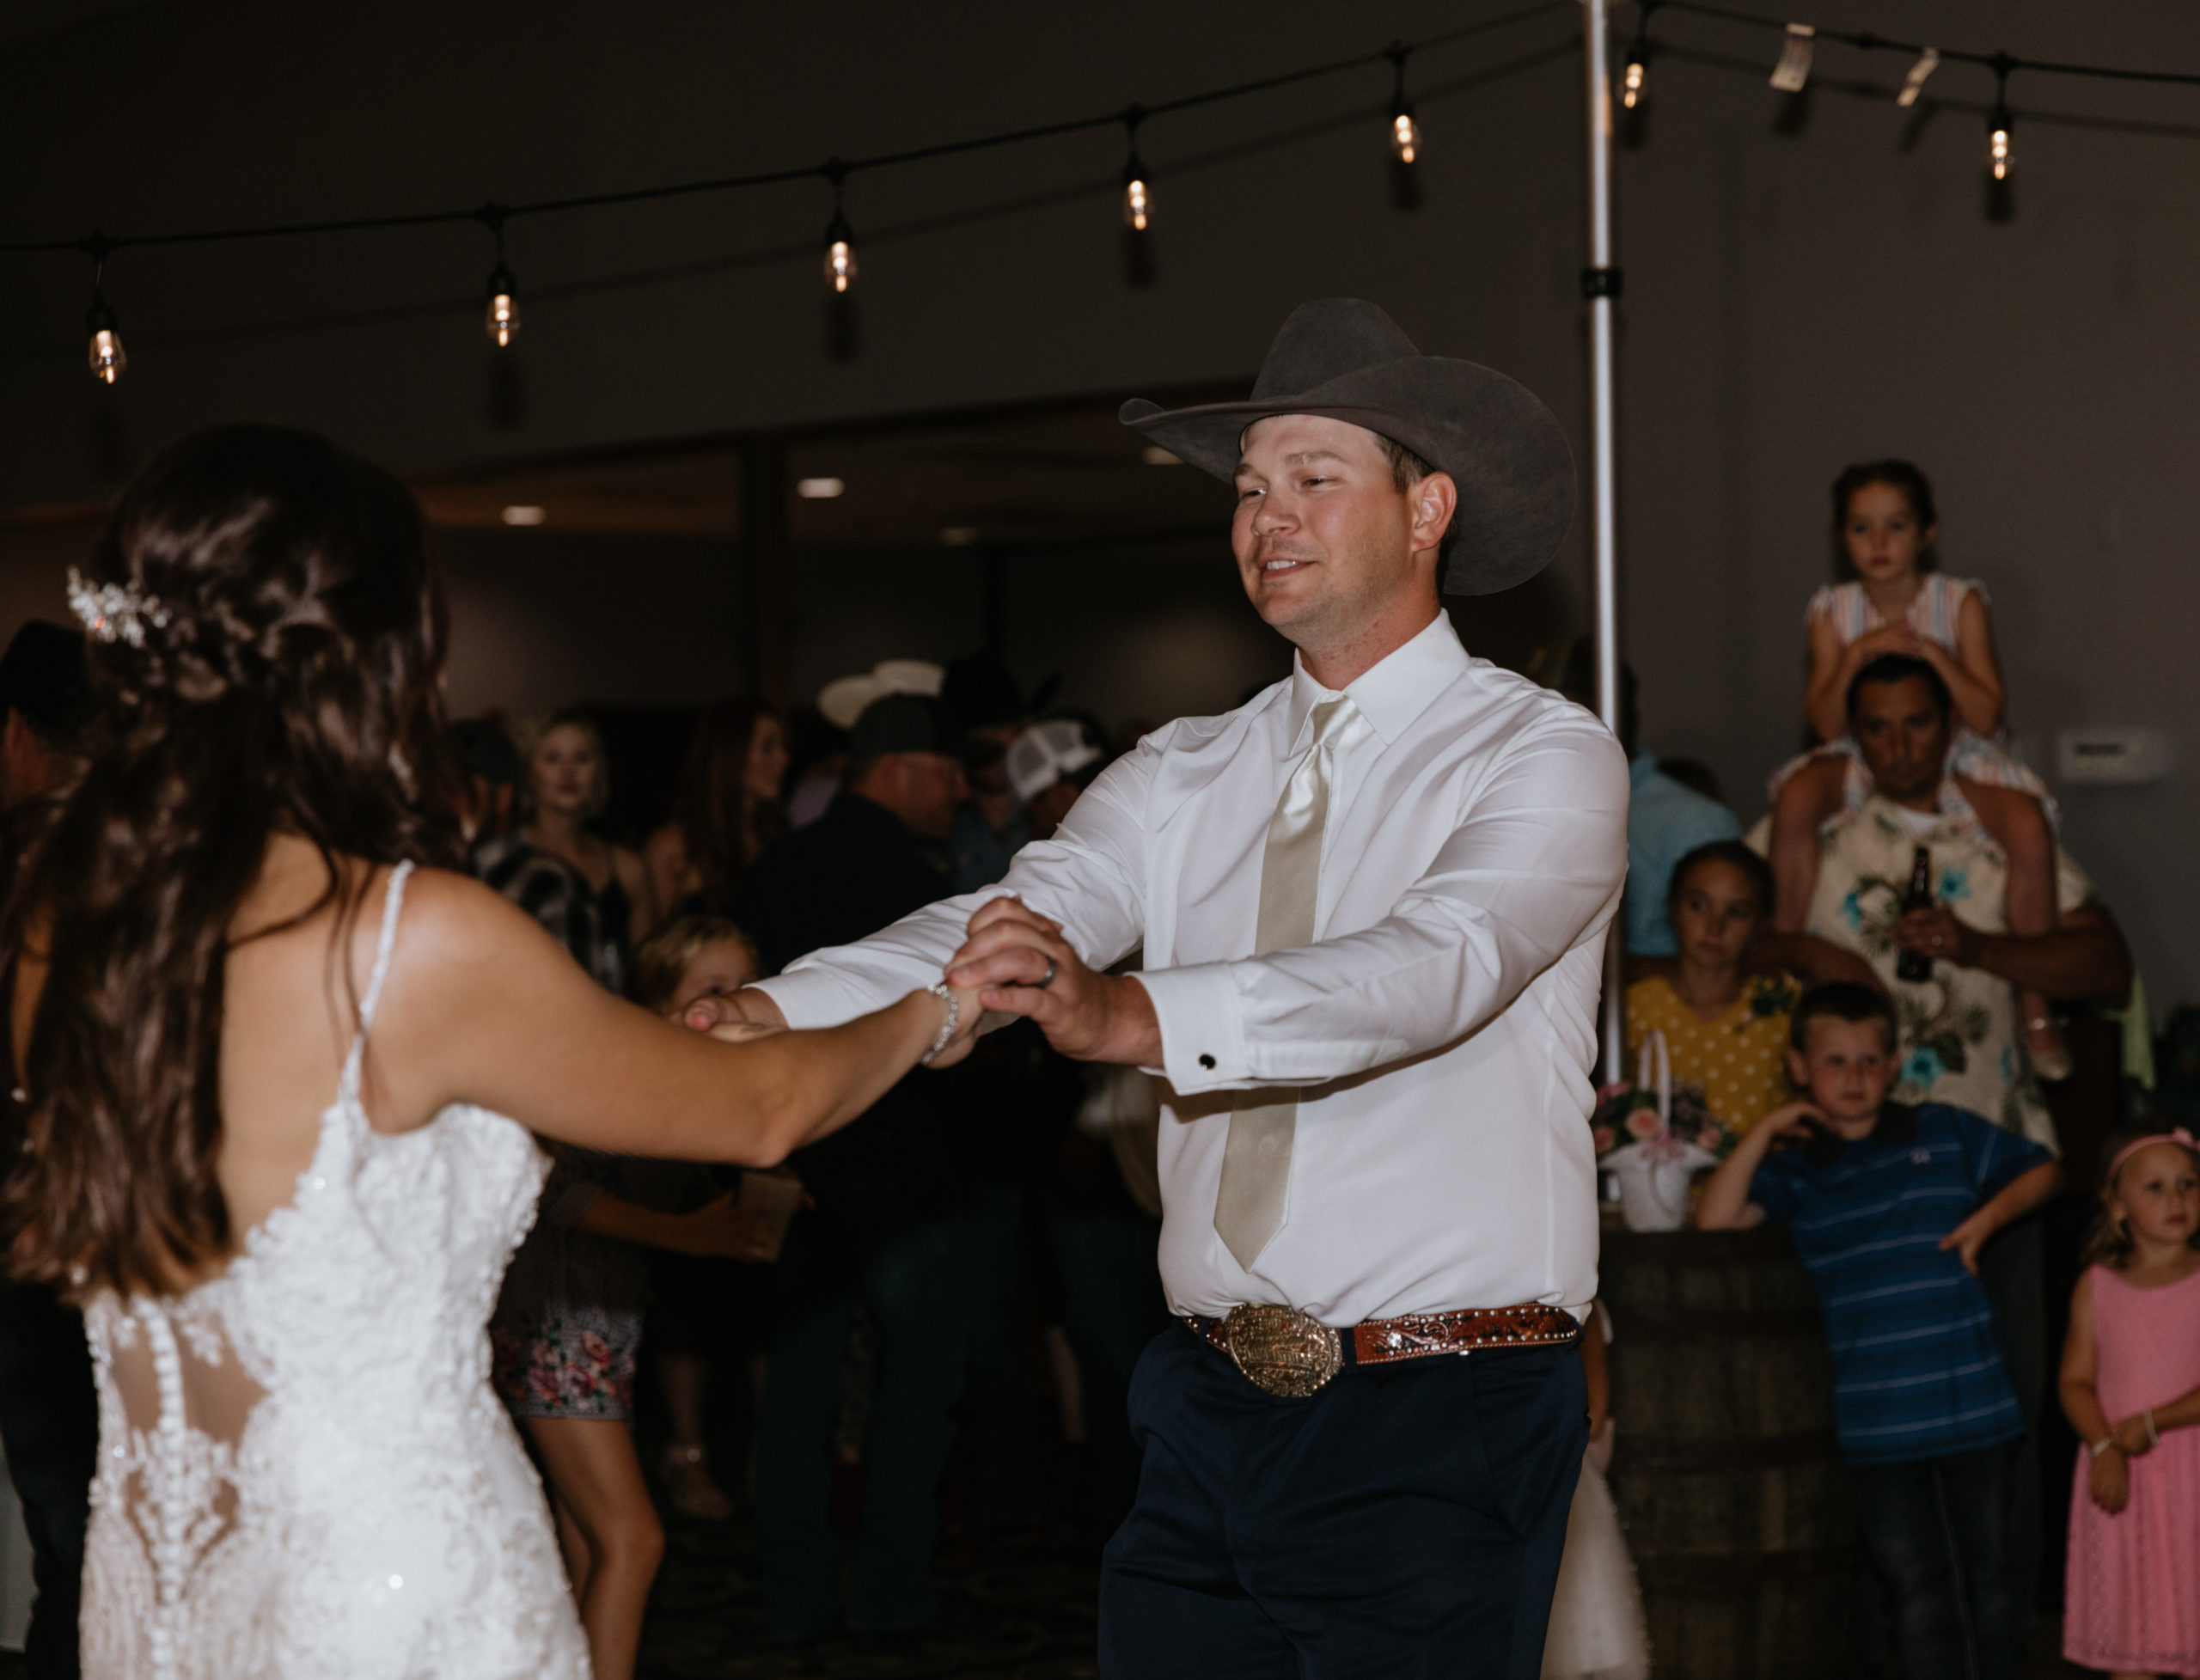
x: 2126, y: 757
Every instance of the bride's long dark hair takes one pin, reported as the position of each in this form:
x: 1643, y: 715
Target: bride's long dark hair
x: 288, y: 678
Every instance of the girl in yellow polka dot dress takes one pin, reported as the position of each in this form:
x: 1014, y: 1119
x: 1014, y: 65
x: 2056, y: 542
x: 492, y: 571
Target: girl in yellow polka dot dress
x: 1724, y: 1030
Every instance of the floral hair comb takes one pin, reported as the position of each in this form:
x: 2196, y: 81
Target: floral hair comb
x: 115, y: 612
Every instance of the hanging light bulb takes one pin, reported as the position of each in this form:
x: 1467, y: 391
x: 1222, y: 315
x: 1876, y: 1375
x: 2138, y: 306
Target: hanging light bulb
x: 839, y: 237
x: 1405, y: 133
x: 104, y: 333
x: 1138, y: 191
x: 502, y: 317
x: 1138, y: 197
x: 1405, y: 137
x: 1635, y: 78
x: 1998, y: 155
x: 839, y: 252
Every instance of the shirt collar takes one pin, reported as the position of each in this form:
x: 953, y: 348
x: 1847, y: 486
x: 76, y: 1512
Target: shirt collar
x: 1955, y: 811
x: 1390, y: 693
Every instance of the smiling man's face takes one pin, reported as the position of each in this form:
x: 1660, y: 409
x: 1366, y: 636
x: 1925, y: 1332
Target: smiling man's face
x: 1326, y: 543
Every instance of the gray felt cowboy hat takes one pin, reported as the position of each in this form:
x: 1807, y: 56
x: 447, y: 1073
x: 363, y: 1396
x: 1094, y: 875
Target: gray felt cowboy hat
x: 1345, y: 358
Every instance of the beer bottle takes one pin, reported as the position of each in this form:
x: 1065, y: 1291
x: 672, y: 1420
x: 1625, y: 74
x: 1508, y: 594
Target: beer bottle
x: 1911, y: 965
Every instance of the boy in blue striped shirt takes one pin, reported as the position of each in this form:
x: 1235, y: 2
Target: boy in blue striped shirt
x: 1890, y: 1205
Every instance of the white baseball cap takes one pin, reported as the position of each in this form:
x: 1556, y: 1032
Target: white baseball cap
x: 1044, y: 753
x: 843, y: 699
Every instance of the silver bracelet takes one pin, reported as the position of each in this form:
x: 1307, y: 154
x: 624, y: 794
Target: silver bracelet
x: 2102, y: 1445
x: 2152, y: 1439
x: 946, y: 1032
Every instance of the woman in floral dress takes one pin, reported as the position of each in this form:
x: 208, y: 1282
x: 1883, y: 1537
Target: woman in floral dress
x: 568, y: 1325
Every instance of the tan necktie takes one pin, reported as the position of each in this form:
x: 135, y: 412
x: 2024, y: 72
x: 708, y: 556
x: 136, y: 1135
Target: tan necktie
x: 1252, y: 1200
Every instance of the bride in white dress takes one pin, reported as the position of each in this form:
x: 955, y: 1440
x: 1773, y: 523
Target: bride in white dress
x: 268, y: 1061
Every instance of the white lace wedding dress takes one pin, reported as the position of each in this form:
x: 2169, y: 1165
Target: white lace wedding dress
x: 302, y: 1471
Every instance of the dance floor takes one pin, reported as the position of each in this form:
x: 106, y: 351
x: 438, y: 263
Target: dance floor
x: 1009, y: 1612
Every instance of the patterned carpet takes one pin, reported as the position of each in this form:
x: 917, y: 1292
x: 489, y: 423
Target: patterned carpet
x: 1009, y: 1611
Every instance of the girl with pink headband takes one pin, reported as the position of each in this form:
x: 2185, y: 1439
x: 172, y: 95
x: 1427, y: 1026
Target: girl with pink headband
x: 2130, y: 1387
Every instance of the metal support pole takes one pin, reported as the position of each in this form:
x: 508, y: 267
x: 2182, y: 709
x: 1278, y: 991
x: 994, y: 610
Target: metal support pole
x: 1600, y: 285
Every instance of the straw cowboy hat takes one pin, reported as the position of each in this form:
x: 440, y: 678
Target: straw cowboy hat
x: 1344, y: 358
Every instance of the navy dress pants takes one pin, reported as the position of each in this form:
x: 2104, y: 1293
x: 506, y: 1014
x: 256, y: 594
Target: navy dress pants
x: 1406, y: 1520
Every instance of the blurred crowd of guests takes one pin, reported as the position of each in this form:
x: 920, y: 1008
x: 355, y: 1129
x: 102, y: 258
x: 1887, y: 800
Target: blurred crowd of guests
x: 952, y: 1291
x: 928, y: 1321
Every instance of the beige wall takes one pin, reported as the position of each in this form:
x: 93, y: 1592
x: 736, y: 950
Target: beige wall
x: 1806, y: 284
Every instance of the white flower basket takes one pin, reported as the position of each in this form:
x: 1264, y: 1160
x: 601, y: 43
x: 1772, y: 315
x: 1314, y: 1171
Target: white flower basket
x: 1653, y: 1173
x: 1653, y: 1178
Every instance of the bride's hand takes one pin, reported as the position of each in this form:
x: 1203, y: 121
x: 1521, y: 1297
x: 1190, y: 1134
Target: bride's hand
x: 968, y: 1014
x: 734, y: 1032
x: 715, y: 1009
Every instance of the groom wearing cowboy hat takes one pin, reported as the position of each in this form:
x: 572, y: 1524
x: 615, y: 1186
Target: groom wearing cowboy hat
x: 1371, y: 905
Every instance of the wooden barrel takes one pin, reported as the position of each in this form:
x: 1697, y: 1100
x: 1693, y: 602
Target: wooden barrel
x: 1725, y: 1476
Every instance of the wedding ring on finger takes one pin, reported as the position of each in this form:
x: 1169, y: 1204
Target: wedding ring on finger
x: 1051, y: 969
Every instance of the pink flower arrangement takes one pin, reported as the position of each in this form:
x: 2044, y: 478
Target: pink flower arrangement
x: 1628, y: 1115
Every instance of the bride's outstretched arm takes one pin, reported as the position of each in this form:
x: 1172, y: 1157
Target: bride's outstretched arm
x: 483, y: 1006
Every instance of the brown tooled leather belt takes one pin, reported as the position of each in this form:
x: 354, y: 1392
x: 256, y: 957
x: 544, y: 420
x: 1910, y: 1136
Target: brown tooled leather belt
x: 1289, y: 1354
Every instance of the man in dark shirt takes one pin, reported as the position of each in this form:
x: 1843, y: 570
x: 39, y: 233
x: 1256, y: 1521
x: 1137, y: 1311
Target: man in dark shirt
x: 49, y: 1422
x: 881, y: 1234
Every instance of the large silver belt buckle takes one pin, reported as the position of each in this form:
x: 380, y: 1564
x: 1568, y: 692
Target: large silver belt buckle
x: 1282, y: 1350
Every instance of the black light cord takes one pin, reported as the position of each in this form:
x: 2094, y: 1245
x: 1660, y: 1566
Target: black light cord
x: 834, y: 171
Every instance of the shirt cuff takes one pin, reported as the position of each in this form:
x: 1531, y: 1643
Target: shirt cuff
x: 812, y: 998
x: 1202, y: 1029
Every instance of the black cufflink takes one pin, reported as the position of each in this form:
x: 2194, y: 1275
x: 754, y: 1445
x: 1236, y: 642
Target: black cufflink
x: 1206, y: 1061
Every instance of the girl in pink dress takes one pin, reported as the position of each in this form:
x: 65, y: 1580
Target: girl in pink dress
x: 2132, y: 1388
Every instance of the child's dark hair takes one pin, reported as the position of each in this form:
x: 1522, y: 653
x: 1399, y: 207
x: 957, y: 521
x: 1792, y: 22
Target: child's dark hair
x: 2108, y: 1239
x: 1841, y: 1000
x: 1901, y: 475
x: 1735, y: 854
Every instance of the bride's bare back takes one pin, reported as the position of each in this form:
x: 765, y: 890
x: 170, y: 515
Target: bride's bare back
x: 484, y: 1007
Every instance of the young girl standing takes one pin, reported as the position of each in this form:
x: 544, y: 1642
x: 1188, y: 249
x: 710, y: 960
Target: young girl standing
x: 2132, y: 1388
x: 1886, y: 524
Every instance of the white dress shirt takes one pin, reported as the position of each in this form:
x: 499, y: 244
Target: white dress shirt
x: 1441, y: 1028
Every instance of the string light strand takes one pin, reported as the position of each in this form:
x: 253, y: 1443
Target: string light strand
x: 1138, y: 192
x: 1866, y: 40
x: 503, y: 317
x: 101, y: 330
x: 1405, y: 133
x: 839, y: 237
x: 107, y: 359
x: 810, y: 172
x: 1998, y: 158
x: 1635, y: 78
